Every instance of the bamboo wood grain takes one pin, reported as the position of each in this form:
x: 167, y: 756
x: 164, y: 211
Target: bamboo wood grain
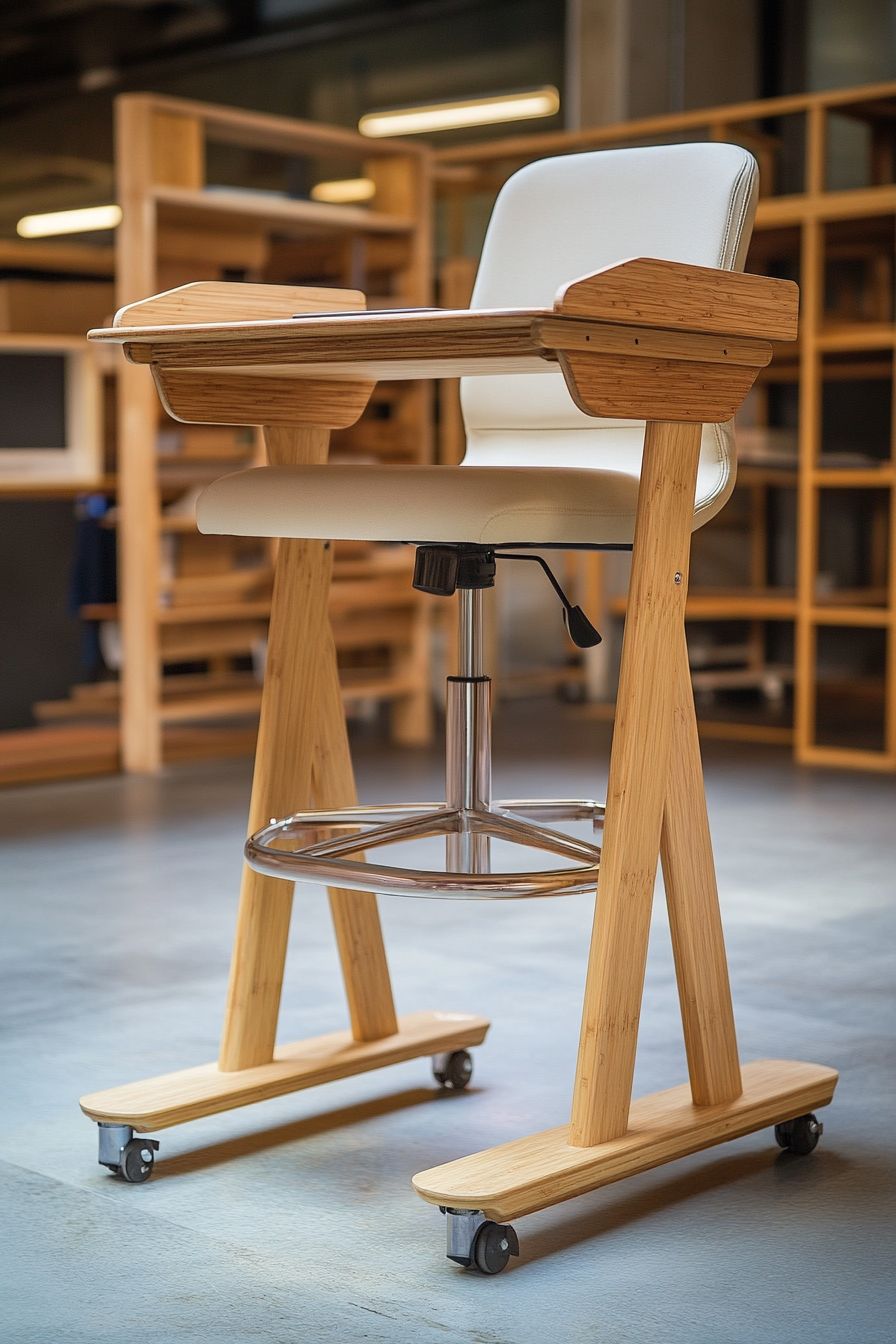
x: 217, y: 398
x: 282, y: 778
x: 175, y: 1098
x: 654, y: 293
x: 636, y: 789
x: 701, y: 967
x: 222, y: 301
x: 302, y: 720
x: 534, y: 1173
x: 321, y: 340
x: 355, y: 914
x: 731, y: 604
x: 635, y: 388
x: 650, y: 343
x: 138, y: 494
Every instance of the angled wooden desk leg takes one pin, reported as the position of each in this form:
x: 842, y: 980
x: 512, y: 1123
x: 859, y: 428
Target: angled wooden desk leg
x: 654, y: 796
x: 692, y: 897
x: 355, y: 915
x: 301, y: 704
x: 302, y: 756
x: 636, y: 789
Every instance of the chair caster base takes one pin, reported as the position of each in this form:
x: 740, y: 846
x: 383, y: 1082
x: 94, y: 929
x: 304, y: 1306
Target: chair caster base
x: 477, y: 1243
x: 131, y: 1159
x: 453, y: 1069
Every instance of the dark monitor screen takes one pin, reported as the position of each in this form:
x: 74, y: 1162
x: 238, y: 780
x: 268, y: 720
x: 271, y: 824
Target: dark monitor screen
x: 32, y: 399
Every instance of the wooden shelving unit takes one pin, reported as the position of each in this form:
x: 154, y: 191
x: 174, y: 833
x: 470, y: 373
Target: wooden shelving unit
x: 51, y: 291
x: 193, y: 609
x: 820, y: 425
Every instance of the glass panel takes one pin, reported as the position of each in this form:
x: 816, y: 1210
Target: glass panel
x: 858, y: 274
x: 781, y: 155
x: 862, y: 145
x: 850, y: 668
x: 742, y: 671
x: 32, y: 400
x: 767, y: 421
x: 849, y: 153
x: 856, y: 409
x: 853, y: 547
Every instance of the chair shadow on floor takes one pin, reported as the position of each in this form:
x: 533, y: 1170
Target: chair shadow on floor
x: 245, y: 1145
x: 631, y: 1207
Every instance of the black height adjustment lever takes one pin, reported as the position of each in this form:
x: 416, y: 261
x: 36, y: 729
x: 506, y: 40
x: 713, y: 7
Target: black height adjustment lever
x: 581, y: 631
x: 441, y: 570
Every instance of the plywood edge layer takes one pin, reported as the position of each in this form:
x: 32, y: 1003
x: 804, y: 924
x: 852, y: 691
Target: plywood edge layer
x: 174, y: 1098
x: 533, y: 1173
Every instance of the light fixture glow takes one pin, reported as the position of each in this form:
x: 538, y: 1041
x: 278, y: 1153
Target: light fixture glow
x: 542, y: 102
x: 345, y: 192
x: 69, y: 221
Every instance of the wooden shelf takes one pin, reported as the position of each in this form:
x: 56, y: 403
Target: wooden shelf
x: 69, y: 751
x: 803, y: 232
x: 303, y: 218
x: 855, y: 336
x: 176, y: 229
x: 854, y: 477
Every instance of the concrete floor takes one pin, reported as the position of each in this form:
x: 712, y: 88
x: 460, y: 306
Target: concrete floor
x: 295, y: 1220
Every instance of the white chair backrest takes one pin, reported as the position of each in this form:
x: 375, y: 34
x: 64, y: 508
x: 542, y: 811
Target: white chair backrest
x: 558, y: 219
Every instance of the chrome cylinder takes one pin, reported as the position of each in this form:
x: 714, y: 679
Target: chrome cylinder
x: 468, y: 757
x: 469, y: 643
x: 463, y: 1224
x: 113, y: 1138
x: 468, y: 747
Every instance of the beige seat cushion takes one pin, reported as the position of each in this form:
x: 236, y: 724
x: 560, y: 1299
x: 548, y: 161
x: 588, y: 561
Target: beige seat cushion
x: 488, y: 505
x: 493, y: 505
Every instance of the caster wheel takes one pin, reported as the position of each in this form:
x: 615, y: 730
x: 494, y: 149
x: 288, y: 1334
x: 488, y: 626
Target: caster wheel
x: 454, y: 1070
x: 799, y: 1136
x: 494, y: 1245
x: 137, y: 1159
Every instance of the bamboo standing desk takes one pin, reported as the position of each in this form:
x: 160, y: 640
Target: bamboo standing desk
x: 673, y: 344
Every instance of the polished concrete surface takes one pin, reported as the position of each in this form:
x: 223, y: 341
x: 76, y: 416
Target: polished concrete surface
x: 294, y: 1220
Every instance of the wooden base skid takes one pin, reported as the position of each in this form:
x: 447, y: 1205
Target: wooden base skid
x: 174, y: 1098
x: 529, y: 1174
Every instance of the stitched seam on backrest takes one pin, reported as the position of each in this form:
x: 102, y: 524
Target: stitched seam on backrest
x: 730, y: 226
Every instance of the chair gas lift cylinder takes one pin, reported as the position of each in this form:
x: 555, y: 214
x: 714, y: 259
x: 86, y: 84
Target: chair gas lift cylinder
x: 612, y: 336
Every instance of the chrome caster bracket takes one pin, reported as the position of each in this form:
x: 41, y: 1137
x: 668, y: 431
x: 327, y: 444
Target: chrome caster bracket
x: 477, y: 1243
x: 123, y: 1154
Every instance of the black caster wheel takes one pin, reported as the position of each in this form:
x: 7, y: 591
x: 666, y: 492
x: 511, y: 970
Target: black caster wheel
x: 494, y: 1245
x: 137, y: 1159
x: 799, y: 1136
x: 454, y: 1070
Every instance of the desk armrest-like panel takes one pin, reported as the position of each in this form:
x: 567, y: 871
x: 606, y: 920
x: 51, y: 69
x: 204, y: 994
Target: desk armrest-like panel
x: 668, y: 294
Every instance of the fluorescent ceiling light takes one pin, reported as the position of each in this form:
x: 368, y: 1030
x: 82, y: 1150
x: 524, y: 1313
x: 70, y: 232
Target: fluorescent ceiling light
x: 69, y: 221
x: 542, y: 102
x: 349, y: 190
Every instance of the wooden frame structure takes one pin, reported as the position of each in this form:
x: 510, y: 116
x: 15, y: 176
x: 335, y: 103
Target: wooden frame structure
x: 799, y: 214
x: 175, y: 230
x: 676, y: 345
